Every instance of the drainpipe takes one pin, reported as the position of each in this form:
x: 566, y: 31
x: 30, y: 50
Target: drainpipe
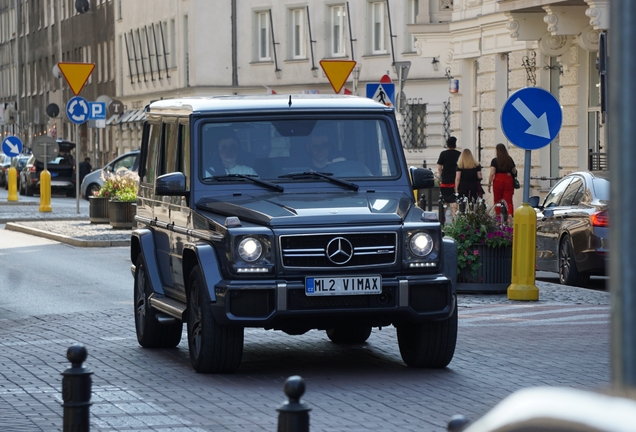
x: 234, y: 48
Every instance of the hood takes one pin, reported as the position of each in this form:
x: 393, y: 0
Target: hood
x: 278, y: 209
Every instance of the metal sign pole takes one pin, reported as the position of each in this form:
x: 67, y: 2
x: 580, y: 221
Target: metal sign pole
x: 622, y: 129
x: 77, y: 185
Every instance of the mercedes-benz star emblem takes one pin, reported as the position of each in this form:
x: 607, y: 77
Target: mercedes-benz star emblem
x: 339, y: 250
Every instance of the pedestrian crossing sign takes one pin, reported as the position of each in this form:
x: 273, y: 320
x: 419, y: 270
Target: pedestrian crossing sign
x: 383, y: 93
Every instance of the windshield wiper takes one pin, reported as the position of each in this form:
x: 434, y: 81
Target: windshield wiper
x: 325, y: 175
x: 252, y: 178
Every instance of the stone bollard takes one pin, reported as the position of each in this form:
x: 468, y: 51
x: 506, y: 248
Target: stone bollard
x: 457, y: 423
x: 293, y: 415
x: 76, y: 391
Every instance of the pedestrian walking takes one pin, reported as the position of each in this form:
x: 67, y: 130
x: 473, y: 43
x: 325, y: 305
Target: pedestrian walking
x: 502, y: 169
x: 447, y: 169
x: 468, y: 177
x: 84, y: 168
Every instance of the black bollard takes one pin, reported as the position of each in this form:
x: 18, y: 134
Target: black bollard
x: 441, y: 208
x: 293, y: 415
x: 462, y: 204
x: 76, y: 391
x: 457, y: 423
x: 504, y: 211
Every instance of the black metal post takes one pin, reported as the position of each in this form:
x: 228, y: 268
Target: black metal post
x: 76, y: 391
x: 293, y: 415
x: 504, y: 211
x: 441, y: 209
x: 462, y: 204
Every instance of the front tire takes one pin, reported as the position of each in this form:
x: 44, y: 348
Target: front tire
x: 151, y: 333
x: 349, y: 335
x: 429, y: 344
x: 214, y: 348
x: 568, y: 271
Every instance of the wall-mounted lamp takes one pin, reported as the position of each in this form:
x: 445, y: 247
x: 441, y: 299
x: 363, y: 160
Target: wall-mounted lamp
x: 435, y: 64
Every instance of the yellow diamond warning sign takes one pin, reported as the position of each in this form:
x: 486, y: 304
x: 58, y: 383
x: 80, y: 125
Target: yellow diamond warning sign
x: 337, y: 72
x: 76, y: 74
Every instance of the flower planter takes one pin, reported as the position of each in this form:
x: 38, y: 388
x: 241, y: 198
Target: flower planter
x: 493, y: 276
x: 121, y: 214
x: 98, y: 210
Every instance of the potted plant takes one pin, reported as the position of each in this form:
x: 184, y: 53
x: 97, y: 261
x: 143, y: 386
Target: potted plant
x: 98, y: 203
x: 484, y: 250
x: 120, y: 188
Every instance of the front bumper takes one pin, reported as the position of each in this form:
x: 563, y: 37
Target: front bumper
x: 279, y: 304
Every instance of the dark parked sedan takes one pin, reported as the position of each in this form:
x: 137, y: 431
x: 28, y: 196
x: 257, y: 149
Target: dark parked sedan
x: 573, y: 228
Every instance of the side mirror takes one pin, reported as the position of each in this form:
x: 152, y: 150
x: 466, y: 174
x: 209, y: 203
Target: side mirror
x: 422, y: 178
x: 533, y: 201
x: 171, y: 184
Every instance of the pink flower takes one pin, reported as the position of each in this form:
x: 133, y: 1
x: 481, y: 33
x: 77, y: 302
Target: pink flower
x: 465, y: 253
x: 476, y: 252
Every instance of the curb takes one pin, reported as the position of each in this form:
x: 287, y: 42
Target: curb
x: 11, y: 226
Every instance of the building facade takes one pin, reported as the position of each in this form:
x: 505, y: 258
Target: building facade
x: 495, y: 47
x: 197, y: 47
x: 34, y: 36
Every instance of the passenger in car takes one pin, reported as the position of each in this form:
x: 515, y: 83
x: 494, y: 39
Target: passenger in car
x: 225, y: 161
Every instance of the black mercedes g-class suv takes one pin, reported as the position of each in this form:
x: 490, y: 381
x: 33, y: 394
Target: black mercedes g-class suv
x: 289, y: 213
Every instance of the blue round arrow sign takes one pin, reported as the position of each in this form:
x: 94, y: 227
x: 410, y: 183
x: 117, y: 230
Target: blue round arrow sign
x: 12, y: 146
x: 77, y: 110
x: 531, y: 118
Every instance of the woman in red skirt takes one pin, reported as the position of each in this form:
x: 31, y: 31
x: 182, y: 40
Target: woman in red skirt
x: 502, y: 169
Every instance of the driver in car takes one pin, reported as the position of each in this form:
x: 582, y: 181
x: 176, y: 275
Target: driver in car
x: 319, y: 148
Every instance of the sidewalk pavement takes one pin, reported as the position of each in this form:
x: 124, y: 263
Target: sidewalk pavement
x: 64, y: 224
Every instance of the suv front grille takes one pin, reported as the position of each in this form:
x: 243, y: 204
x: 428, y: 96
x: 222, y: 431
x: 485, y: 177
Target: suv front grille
x: 311, y: 251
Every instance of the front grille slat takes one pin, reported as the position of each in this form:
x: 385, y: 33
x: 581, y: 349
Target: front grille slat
x: 309, y: 251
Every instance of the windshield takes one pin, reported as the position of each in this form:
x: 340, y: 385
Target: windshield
x: 274, y: 149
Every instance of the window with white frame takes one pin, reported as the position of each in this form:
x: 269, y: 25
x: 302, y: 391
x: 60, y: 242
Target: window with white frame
x: 298, y: 39
x: 413, y: 8
x: 378, y: 27
x: 338, y: 22
x: 263, y: 36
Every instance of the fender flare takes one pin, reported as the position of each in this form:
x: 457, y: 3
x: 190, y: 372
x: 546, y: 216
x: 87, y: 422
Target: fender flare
x: 208, y: 262
x: 143, y: 242
x: 450, y: 260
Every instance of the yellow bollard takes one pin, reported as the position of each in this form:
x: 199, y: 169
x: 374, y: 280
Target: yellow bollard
x: 45, y: 191
x: 524, y: 252
x: 13, y: 184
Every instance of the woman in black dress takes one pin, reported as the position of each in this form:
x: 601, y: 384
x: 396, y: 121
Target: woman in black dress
x: 468, y: 177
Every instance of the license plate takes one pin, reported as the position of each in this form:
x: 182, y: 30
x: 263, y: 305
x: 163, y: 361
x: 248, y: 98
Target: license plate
x: 343, y: 285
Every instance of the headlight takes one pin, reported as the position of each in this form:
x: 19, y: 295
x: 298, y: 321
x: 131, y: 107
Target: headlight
x: 421, y: 244
x: 250, y: 249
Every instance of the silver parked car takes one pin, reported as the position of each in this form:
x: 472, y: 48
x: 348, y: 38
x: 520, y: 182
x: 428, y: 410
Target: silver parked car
x: 93, y: 181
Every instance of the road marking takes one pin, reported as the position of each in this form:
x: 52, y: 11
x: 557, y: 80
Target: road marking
x: 575, y: 316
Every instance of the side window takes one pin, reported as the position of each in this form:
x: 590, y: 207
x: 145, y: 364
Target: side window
x: 126, y: 162
x: 154, y: 139
x: 573, y: 193
x: 553, y: 198
x: 184, y: 150
x: 169, y: 156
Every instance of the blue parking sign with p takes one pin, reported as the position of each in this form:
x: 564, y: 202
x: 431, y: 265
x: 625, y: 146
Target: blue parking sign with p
x: 97, y: 111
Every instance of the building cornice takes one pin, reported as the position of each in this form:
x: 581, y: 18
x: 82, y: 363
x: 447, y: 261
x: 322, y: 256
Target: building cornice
x: 599, y: 14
